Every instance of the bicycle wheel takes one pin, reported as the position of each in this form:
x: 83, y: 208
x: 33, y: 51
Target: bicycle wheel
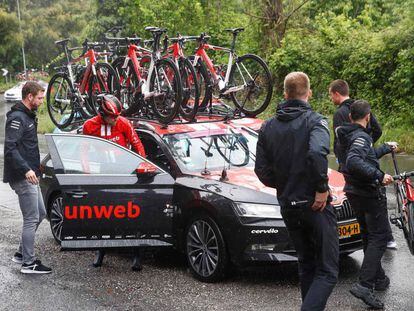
x: 251, y: 81
x: 59, y: 100
x: 190, y: 101
x: 204, y: 83
x: 105, y: 81
x: 129, y: 85
x: 165, y: 86
x: 230, y: 148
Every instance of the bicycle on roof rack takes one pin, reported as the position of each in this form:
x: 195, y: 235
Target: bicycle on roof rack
x: 73, y: 95
x: 246, y: 82
x: 403, y: 216
x: 149, y: 83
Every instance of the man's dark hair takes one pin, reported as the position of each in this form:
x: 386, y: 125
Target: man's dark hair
x: 359, y: 109
x: 31, y: 87
x: 340, y: 86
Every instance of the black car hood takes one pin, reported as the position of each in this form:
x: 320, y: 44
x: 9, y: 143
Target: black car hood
x: 242, y: 185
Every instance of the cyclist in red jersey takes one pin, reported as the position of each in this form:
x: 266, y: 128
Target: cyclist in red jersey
x: 109, y: 124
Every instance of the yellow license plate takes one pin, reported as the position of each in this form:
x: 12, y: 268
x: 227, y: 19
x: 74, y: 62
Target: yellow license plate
x: 346, y: 231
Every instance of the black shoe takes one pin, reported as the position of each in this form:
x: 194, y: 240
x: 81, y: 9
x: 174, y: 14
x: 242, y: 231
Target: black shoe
x: 382, y: 284
x: 366, y: 295
x: 17, y: 258
x: 35, y: 267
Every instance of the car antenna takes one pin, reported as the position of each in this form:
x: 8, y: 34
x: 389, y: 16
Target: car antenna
x: 224, y: 171
x: 205, y: 171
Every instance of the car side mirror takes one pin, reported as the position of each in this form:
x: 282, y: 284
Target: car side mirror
x: 146, y: 169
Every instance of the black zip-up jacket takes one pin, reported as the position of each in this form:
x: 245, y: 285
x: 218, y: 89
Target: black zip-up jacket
x: 341, y: 117
x: 291, y: 153
x: 21, y: 149
x: 361, y: 167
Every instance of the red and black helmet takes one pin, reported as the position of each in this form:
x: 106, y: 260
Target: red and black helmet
x: 110, y: 106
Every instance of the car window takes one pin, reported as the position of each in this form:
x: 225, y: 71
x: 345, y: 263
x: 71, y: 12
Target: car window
x: 88, y: 155
x: 229, y: 148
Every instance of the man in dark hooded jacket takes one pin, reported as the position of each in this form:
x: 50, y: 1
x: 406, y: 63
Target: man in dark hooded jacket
x: 339, y: 93
x: 291, y: 156
x: 365, y: 190
x: 22, y: 172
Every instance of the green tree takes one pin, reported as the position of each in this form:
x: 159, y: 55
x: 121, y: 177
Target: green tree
x: 10, y: 40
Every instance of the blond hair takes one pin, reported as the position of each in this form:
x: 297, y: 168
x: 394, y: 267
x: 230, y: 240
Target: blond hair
x: 296, y: 85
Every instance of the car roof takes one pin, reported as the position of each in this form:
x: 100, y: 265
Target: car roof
x: 201, y: 124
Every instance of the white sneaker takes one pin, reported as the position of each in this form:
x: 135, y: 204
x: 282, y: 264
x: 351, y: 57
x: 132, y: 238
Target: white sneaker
x: 392, y: 245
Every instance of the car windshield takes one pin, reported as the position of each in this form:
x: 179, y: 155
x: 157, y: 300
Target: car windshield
x: 213, y: 150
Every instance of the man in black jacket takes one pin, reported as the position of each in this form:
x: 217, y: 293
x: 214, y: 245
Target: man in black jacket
x: 365, y: 190
x: 22, y: 171
x: 339, y: 93
x: 291, y: 156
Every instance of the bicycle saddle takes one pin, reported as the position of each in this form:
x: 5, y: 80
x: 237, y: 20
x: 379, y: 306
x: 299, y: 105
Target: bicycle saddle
x: 234, y: 30
x: 62, y: 42
x: 155, y: 29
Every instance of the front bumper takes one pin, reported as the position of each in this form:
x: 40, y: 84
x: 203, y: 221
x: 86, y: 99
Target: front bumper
x: 267, y: 241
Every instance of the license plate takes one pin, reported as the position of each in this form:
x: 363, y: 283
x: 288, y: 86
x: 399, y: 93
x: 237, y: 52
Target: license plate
x: 346, y: 231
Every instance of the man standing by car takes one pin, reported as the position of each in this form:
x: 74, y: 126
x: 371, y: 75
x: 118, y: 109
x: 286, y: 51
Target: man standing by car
x: 364, y: 187
x: 291, y: 156
x: 109, y: 124
x: 339, y: 93
x: 22, y: 171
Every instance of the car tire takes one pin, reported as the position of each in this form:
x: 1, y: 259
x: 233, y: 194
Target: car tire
x: 205, y: 249
x: 56, y: 216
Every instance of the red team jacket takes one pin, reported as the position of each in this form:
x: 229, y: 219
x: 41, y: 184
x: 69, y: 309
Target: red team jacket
x: 121, y: 133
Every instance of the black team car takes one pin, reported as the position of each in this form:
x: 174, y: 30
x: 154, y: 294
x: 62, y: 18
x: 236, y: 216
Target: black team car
x: 196, y: 192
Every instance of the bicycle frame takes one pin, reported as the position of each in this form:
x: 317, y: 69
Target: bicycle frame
x: 133, y: 51
x: 201, y: 53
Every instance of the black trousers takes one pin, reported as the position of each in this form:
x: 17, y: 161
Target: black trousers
x: 315, y: 237
x: 372, y: 216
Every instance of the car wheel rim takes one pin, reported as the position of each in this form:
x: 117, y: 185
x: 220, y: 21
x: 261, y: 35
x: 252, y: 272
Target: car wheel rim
x: 202, y: 248
x: 56, y: 217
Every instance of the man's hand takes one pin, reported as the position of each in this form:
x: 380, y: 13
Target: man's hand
x: 387, y: 179
x: 320, y: 201
x: 393, y: 145
x: 31, y: 177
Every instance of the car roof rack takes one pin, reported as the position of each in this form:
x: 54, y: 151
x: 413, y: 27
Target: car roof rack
x: 215, y: 112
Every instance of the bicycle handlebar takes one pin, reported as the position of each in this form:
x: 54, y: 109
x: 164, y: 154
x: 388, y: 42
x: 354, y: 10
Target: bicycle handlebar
x: 403, y: 175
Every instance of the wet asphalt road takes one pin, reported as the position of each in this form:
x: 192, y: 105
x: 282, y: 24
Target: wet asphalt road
x: 165, y: 283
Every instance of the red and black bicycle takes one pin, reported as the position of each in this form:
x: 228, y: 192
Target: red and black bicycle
x: 245, y: 81
x: 149, y: 83
x: 70, y: 93
x: 403, y: 216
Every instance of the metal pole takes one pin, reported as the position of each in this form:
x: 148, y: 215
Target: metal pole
x: 20, y: 27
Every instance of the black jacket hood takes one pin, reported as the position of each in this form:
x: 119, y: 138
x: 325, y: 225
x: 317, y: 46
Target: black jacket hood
x: 291, y: 109
x: 347, y: 102
x: 21, y: 107
x: 345, y: 132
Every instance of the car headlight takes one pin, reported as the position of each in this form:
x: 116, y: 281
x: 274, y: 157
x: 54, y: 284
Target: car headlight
x: 258, y: 210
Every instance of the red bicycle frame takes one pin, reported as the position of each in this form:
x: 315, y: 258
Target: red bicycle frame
x: 201, y: 53
x: 91, y: 59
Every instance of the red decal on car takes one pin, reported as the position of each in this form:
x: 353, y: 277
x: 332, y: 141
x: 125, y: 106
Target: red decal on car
x: 103, y: 211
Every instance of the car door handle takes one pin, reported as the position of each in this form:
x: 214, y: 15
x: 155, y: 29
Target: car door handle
x: 76, y: 194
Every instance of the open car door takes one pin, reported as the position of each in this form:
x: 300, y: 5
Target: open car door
x: 111, y: 197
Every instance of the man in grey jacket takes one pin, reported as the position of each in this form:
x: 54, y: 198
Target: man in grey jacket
x: 22, y: 172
